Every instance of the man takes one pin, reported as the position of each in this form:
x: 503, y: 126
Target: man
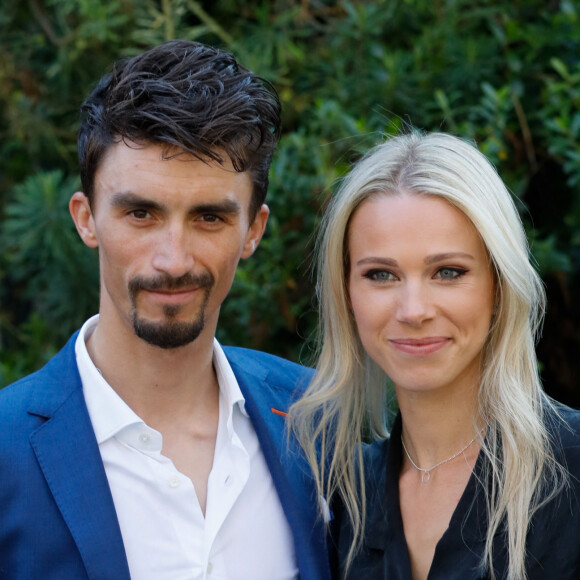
x: 143, y: 449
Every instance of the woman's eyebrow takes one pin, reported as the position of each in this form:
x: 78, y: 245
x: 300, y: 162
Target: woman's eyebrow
x: 447, y: 256
x: 376, y: 260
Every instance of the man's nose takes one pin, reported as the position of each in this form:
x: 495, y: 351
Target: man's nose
x: 173, y: 252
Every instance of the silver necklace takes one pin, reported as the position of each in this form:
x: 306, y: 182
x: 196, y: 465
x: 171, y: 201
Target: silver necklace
x: 426, y: 473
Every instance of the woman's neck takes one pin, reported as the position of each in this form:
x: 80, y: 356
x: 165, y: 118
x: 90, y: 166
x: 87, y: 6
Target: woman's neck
x: 436, y: 426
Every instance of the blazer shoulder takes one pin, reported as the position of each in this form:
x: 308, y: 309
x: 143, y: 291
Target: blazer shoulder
x: 270, y: 368
x: 269, y: 362
x: 45, y: 389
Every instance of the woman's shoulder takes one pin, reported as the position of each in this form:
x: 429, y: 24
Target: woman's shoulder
x: 564, y: 429
x: 564, y: 423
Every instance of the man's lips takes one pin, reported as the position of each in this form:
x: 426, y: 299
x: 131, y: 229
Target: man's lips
x: 173, y: 296
x: 420, y: 346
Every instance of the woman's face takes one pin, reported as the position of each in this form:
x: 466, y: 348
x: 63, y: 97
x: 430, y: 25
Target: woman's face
x: 421, y: 290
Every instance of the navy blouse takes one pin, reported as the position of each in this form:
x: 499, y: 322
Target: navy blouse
x: 553, y: 540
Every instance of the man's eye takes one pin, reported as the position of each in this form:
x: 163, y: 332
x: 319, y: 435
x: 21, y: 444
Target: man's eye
x: 210, y: 218
x: 140, y: 214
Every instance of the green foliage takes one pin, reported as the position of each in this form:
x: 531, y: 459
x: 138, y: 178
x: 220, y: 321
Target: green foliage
x: 562, y: 110
x: 43, y: 256
x: 50, y: 278
x: 503, y: 73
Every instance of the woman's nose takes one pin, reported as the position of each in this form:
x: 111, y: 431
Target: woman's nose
x: 414, y: 306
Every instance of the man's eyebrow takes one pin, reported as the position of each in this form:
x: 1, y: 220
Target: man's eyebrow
x: 226, y: 206
x: 126, y: 199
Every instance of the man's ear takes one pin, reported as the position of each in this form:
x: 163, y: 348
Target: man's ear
x: 256, y: 231
x: 81, y: 213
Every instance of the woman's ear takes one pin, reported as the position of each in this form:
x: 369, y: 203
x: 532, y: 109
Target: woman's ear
x: 80, y: 211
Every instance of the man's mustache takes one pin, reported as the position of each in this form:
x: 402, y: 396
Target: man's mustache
x: 166, y: 282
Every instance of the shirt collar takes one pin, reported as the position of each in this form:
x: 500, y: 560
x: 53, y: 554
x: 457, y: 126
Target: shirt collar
x: 229, y: 387
x: 110, y: 414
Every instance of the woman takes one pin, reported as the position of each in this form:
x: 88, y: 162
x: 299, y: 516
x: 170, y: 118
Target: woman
x: 425, y: 281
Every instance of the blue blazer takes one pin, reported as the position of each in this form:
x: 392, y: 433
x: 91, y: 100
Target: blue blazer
x: 57, y: 518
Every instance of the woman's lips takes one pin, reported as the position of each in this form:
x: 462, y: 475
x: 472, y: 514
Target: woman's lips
x: 420, y: 346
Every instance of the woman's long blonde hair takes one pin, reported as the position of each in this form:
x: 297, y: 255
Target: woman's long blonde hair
x: 346, y: 402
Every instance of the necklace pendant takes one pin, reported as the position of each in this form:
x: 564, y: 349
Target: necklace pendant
x: 425, y: 476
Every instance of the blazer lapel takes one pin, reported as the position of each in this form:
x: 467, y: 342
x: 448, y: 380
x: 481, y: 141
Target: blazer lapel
x: 266, y: 404
x: 69, y: 458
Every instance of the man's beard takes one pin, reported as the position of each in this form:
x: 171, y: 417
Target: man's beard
x: 171, y: 333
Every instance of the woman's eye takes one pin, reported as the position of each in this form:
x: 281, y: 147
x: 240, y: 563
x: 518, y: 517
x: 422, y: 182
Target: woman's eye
x: 379, y: 275
x: 450, y: 273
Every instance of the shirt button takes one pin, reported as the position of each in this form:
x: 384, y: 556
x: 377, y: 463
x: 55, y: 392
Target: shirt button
x: 174, y: 481
x: 229, y: 480
x: 144, y: 438
x: 209, y: 567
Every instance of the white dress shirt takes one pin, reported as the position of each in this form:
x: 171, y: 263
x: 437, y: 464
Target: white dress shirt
x: 244, y: 535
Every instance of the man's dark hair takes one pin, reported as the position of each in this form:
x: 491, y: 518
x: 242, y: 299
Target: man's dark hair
x: 186, y: 96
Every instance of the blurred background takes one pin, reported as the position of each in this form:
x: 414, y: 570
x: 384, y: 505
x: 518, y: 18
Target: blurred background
x: 505, y: 73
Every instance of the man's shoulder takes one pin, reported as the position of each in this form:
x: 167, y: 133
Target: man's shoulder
x: 269, y: 367
x: 52, y: 378
x: 240, y: 354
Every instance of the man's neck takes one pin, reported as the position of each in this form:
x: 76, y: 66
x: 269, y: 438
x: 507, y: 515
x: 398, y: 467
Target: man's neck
x: 156, y: 383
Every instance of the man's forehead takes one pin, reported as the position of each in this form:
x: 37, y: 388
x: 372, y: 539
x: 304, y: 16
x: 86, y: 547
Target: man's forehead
x: 125, y: 148
x: 146, y: 171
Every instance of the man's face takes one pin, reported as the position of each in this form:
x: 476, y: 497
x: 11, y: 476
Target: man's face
x: 170, y: 233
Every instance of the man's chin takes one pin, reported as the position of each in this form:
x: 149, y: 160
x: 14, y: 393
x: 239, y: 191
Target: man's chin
x: 168, y: 335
